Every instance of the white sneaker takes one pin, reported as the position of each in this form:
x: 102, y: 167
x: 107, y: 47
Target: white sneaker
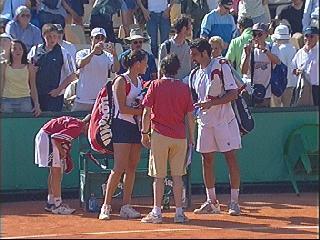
x: 63, y: 209
x: 208, y: 208
x: 105, y: 212
x: 127, y: 211
x: 152, y: 218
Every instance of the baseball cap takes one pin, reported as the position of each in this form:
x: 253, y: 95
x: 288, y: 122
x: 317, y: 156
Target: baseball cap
x: 311, y: 30
x: 225, y: 2
x: 260, y: 27
x: 21, y: 9
x: 5, y: 35
x: 59, y: 27
x: 281, y: 32
x: 98, y: 31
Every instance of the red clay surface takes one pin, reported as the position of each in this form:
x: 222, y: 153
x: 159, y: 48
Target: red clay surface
x: 264, y: 216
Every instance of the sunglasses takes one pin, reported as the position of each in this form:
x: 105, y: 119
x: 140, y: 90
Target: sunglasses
x: 309, y: 35
x: 136, y: 42
x: 99, y: 37
x: 259, y: 34
x: 26, y: 15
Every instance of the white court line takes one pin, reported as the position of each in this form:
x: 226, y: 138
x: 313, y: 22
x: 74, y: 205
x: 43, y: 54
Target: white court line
x: 160, y: 230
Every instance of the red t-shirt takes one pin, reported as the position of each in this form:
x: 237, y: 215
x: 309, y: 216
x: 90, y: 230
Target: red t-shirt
x: 170, y: 100
x: 64, y: 129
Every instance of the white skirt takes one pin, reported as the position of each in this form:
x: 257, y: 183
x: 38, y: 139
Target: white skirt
x: 46, y: 152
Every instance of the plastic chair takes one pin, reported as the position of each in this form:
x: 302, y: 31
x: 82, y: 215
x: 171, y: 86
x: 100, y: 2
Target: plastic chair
x: 301, y: 145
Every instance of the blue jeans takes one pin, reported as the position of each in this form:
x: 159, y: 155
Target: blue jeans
x: 158, y: 22
x: 10, y: 105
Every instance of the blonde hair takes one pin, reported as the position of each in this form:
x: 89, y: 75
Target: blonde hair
x: 217, y: 40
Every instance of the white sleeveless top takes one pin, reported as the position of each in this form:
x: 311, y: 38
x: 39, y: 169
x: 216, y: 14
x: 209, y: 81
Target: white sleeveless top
x: 131, y: 97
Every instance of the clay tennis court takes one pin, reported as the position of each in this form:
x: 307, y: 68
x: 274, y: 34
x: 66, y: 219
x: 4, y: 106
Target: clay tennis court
x: 263, y: 216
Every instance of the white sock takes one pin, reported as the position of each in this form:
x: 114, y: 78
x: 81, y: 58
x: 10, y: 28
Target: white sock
x: 234, y: 195
x: 57, y: 201
x: 156, y: 210
x: 211, y: 194
x: 50, y: 199
x: 179, y: 211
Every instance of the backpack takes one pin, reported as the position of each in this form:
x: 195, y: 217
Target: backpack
x: 52, y: 4
x: 99, y: 132
x: 240, y: 108
x: 279, y: 79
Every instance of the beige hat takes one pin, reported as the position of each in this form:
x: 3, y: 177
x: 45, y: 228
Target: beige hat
x: 136, y: 33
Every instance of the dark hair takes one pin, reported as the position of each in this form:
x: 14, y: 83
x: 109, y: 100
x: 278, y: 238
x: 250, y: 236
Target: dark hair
x: 24, y: 59
x: 133, y: 57
x: 245, y: 22
x: 170, y: 65
x: 182, y: 21
x: 201, y: 45
x: 48, y: 28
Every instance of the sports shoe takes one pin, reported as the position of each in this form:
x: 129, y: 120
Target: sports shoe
x: 63, y: 209
x: 234, y: 209
x: 105, y: 212
x: 152, y: 218
x: 49, y: 207
x: 127, y: 211
x: 208, y: 208
x: 180, y: 218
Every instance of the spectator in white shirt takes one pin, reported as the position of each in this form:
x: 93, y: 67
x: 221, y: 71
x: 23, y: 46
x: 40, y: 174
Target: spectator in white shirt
x: 94, y: 65
x: 65, y: 44
x: 285, y: 51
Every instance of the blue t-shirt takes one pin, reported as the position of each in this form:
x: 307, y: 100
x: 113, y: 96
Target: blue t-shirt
x: 152, y: 67
x: 214, y: 24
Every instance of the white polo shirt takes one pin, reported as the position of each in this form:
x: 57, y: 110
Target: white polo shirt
x: 93, y: 76
x: 204, y: 86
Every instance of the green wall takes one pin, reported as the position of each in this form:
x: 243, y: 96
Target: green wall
x: 260, y: 159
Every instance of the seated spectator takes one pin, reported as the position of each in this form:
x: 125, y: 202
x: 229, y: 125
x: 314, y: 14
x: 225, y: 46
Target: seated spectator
x: 136, y: 40
x: 293, y: 14
x: 179, y: 45
x: 306, y: 62
x: 19, y: 86
x: 9, y: 8
x: 20, y: 28
x: 72, y: 50
x: 219, y: 22
x: 259, y: 68
x: 157, y: 16
x: 94, y: 65
x: 101, y: 16
x: 285, y: 52
x: 56, y: 70
x: 234, y: 52
x: 5, y: 44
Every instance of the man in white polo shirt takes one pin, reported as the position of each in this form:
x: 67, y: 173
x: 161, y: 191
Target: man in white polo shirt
x: 94, y: 65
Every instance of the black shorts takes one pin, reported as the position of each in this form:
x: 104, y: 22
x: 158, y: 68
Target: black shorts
x: 125, y: 132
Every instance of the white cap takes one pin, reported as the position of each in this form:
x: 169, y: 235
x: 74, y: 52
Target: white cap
x: 281, y: 32
x: 98, y: 31
x: 5, y: 35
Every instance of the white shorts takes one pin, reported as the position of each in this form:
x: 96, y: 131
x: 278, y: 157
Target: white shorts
x: 46, y: 152
x: 223, y: 137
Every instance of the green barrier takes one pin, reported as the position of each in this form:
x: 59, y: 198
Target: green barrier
x: 260, y: 159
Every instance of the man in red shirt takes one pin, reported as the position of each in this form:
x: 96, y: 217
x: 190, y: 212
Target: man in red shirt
x: 52, y: 150
x: 168, y: 108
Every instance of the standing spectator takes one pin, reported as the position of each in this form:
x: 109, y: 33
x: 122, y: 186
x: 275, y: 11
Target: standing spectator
x: 136, y: 40
x: 9, y: 9
x: 72, y: 50
x: 126, y: 136
x: 101, y: 16
x: 127, y: 11
x: 254, y: 9
x: 311, y: 7
x: 260, y: 65
x: 285, y: 52
x: 179, y: 45
x: 306, y: 61
x: 157, y: 16
x: 168, y: 109
x: 78, y: 7
x: 20, y: 28
x: 219, y: 22
x: 218, y: 129
x: 293, y: 14
x: 52, y: 150
x: 197, y: 9
x: 94, y: 65
x: 234, y: 52
x: 19, y: 87
x: 56, y: 70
